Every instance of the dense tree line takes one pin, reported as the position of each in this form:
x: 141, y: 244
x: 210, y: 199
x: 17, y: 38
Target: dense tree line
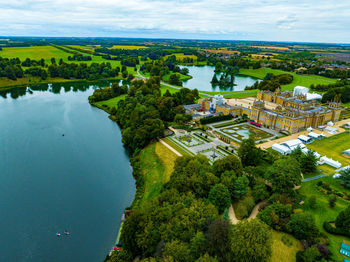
x: 144, y: 112
x: 93, y: 71
x: 11, y: 68
x: 31, y: 62
x: 272, y: 82
x: 183, y: 223
x: 79, y: 57
x: 108, y: 93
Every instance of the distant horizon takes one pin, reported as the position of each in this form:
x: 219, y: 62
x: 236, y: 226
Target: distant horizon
x: 312, y: 21
x: 169, y: 38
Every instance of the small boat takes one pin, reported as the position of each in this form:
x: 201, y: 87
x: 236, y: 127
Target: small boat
x: 58, y: 234
x: 66, y: 232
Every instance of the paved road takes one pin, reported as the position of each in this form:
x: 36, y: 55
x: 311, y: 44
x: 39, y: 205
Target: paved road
x: 313, y: 178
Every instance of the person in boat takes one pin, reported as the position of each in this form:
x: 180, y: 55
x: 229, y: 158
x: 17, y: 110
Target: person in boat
x: 66, y: 232
x: 58, y: 234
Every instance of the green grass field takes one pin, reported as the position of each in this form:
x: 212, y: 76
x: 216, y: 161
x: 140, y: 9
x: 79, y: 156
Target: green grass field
x: 34, y: 52
x: 333, y: 147
x: 180, y: 57
x: 178, y: 148
x: 323, y: 212
x: 299, y: 80
x: 284, y: 250
x: 157, y: 163
x: 113, y: 102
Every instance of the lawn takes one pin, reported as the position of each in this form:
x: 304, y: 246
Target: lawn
x: 83, y: 47
x: 299, y: 80
x: 323, y: 212
x: 284, y: 247
x: 157, y: 163
x: 177, y: 147
x: 333, y: 147
x: 244, y: 131
x: 113, y: 102
x: 347, y: 105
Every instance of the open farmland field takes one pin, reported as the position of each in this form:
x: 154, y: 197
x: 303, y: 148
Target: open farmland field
x: 333, y: 147
x: 298, y: 80
x: 128, y: 47
x: 181, y: 56
x: 222, y: 51
x: 34, y: 52
x: 272, y: 47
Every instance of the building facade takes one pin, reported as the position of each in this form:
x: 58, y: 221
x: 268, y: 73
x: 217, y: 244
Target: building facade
x: 291, y: 114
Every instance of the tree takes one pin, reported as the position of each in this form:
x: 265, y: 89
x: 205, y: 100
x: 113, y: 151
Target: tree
x: 251, y: 241
x: 309, y: 255
x: 332, y: 201
x: 241, y: 187
x: 343, y: 220
x: 260, y: 192
x: 249, y: 154
x: 308, y: 162
x: 218, y: 239
x: 197, y: 244
x: 303, y: 226
x: 284, y: 175
x: 206, y: 258
x: 228, y: 163
x: 174, y: 79
x: 214, y: 80
x: 312, y: 202
x: 345, y: 178
x: 220, y: 197
x: 178, y: 250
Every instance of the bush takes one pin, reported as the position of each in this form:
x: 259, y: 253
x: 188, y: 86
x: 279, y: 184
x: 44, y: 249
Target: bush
x: 312, y: 202
x: 213, y: 119
x: 245, y: 207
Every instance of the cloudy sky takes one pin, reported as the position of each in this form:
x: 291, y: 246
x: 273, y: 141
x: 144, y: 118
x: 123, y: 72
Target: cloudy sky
x: 274, y: 20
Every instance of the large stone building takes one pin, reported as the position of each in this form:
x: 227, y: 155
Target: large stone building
x: 280, y: 111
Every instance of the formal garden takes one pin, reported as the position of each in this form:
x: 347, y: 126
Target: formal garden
x: 189, y: 140
x: 244, y: 131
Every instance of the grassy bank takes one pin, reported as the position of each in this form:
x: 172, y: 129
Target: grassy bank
x: 157, y: 162
x: 298, y: 80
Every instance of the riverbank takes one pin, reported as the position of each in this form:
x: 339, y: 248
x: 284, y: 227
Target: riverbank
x: 8, y: 84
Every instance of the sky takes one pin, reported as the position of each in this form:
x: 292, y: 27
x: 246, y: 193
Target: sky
x: 268, y: 20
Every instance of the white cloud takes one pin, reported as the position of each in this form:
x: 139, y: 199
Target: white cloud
x: 308, y: 20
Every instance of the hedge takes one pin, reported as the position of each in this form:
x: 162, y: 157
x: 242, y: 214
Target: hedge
x: 334, y: 230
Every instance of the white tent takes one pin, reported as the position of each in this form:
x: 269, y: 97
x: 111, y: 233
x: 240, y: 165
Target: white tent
x: 330, y: 123
x: 314, y: 135
x: 330, y: 162
x: 281, y: 149
x: 309, y: 129
x: 293, y: 144
x: 300, y: 90
x: 331, y: 130
x: 313, y: 96
x: 304, y: 138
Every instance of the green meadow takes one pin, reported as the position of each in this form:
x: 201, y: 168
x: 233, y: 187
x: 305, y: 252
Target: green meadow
x: 298, y: 80
x: 323, y: 212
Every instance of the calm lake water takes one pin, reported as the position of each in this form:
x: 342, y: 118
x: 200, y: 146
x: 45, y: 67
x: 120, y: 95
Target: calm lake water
x: 202, y: 76
x: 80, y: 182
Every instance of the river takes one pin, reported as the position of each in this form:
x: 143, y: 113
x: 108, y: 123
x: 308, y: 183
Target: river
x: 202, y: 76
x: 80, y: 182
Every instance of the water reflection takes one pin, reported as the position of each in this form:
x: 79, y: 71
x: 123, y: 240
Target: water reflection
x: 56, y: 88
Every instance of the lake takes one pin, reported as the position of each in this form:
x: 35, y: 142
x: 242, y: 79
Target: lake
x: 202, y: 76
x: 80, y: 182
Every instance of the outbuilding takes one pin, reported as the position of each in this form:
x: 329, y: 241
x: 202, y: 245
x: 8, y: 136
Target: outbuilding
x: 330, y: 162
